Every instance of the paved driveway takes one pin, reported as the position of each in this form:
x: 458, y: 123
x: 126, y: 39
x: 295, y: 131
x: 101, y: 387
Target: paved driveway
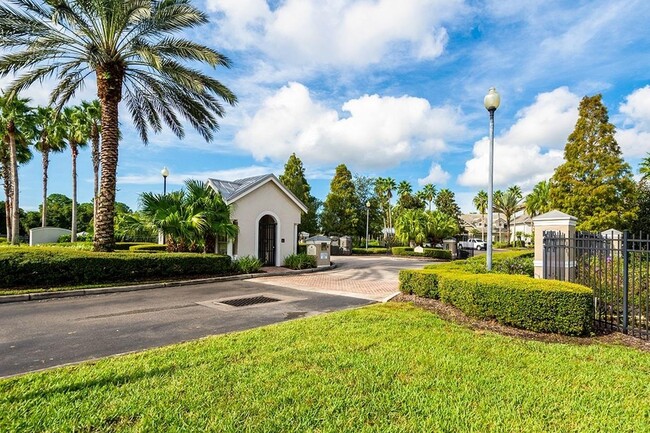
x: 41, y: 334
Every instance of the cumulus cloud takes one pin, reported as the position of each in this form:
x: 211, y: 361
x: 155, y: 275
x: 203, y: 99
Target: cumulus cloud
x: 347, y: 32
x: 634, y: 138
x: 376, y: 132
x: 436, y: 176
x: 529, y: 150
x: 152, y: 176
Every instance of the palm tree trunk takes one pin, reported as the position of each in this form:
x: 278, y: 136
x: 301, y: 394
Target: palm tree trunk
x: 6, y: 176
x: 46, y: 162
x: 75, y: 152
x: 95, y: 158
x: 15, y: 214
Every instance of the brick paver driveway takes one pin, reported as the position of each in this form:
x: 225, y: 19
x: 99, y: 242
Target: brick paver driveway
x: 367, y: 277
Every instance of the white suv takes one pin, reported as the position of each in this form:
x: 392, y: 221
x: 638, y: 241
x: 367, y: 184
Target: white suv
x: 472, y: 244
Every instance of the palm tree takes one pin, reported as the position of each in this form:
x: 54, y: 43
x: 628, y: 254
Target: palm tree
x: 50, y: 139
x: 508, y: 203
x: 384, y: 187
x: 404, y: 188
x: 441, y: 225
x: 93, y: 114
x: 16, y: 118
x: 130, y: 48
x: 537, y: 202
x: 481, y: 202
x: 429, y: 193
x: 77, y: 132
x: 411, y: 227
x: 516, y: 191
x: 23, y: 154
x: 644, y: 167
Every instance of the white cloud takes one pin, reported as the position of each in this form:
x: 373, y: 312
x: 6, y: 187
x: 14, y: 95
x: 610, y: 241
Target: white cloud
x: 530, y: 150
x: 346, y: 32
x: 635, y: 140
x: 152, y: 177
x: 436, y: 176
x: 377, y: 131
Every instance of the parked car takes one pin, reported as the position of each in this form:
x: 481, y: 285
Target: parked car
x: 472, y: 244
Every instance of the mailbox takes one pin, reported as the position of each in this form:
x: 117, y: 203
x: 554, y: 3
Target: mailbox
x: 319, y: 247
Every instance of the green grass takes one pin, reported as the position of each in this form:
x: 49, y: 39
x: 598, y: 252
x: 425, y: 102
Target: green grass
x: 386, y: 368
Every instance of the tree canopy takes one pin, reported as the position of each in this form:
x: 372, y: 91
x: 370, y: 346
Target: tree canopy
x: 294, y: 179
x: 340, y: 208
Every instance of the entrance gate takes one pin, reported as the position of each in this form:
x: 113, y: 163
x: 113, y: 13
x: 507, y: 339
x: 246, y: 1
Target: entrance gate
x: 267, y: 240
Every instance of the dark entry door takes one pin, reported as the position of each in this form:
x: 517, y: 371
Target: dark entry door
x: 266, y: 248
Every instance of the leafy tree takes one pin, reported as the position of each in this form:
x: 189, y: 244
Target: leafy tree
x: 365, y: 188
x: 641, y: 223
x: 294, y: 179
x: 51, y: 134
x: 480, y: 201
x: 429, y: 193
x: 412, y: 226
x: 77, y: 134
x: 130, y: 47
x: 594, y: 184
x: 341, y: 205
x: 446, y: 203
x: 538, y: 202
x: 17, y: 125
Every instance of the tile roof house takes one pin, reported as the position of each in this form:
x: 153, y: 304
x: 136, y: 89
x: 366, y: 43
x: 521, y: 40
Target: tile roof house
x: 267, y: 214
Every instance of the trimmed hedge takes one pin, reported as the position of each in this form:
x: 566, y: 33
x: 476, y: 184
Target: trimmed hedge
x: 515, y: 300
x: 299, y: 261
x: 369, y: 251
x: 56, y: 267
x: 427, y: 252
x: 147, y: 248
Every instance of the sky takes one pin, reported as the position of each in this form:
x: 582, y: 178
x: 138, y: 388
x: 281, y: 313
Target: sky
x: 392, y: 88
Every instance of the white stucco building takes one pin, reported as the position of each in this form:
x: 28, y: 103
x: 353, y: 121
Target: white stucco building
x: 267, y: 214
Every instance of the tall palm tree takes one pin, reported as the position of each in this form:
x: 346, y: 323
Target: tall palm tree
x: 644, y: 167
x: 538, y: 202
x: 77, y: 133
x: 429, y: 193
x: 516, y: 191
x: 93, y: 114
x: 23, y: 155
x: 16, y: 119
x: 403, y: 188
x: 130, y: 47
x: 508, y: 203
x: 480, y: 201
x: 51, y: 133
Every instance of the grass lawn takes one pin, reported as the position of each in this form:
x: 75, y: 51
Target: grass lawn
x: 385, y: 368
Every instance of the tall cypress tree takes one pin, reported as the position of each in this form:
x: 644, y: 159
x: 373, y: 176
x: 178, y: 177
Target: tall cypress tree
x: 594, y: 184
x: 340, y: 208
x: 296, y: 182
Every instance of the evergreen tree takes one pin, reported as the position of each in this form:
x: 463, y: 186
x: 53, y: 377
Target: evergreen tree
x: 294, y: 179
x: 341, y: 205
x: 446, y: 204
x: 641, y: 224
x: 594, y: 184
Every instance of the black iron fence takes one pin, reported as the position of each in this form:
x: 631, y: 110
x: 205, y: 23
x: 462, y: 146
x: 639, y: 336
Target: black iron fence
x: 617, y: 268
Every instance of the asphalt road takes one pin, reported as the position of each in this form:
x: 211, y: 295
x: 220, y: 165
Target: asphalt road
x: 41, y: 334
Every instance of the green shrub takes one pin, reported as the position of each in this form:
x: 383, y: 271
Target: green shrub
x: 56, y: 267
x: 247, y: 265
x: 80, y: 238
x: 143, y: 248
x: 427, y: 252
x: 421, y: 282
x: 302, y: 249
x: 126, y: 246
x: 373, y: 251
x: 300, y: 261
x: 401, y: 251
x: 81, y: 246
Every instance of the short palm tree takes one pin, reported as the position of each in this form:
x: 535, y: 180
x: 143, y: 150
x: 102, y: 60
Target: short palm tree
x: 130, y: 48
x: 441, y: 225
x: 480, y: 201
x: 51, y: 134
x: 538, y: 201
x: 77, y: 133
x: 17, y: 124
x: 411, y: 227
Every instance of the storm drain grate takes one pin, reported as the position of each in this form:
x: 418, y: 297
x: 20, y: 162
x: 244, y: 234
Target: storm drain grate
x: 245, y: 302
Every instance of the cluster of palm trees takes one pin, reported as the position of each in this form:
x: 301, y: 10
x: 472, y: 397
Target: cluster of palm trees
x: 190, y: 219
x: 511, y: 201
x: 23, y: 127
x: 132, y: 50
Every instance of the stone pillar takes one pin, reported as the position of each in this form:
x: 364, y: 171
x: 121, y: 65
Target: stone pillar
x: 555, y: 221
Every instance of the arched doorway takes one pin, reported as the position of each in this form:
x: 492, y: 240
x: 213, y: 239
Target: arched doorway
x: 267, y: 240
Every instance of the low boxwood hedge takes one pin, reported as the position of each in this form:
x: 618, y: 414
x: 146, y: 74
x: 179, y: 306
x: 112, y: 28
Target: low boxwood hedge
x: 147, y: 248
x: 427, y: 252
x: 56, y: 267
x: 515, y: 300
x: 369, y: 250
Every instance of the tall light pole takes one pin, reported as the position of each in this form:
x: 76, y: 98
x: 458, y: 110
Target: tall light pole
x: 165, y: 173
x: 491, y: 102
x: 367, y: 221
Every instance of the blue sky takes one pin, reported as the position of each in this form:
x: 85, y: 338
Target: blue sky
x: 393, y: 88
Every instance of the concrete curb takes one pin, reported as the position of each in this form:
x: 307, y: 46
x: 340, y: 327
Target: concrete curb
x: 5, y: 299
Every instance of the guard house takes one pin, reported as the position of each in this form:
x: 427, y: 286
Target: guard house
x: 267, y: 214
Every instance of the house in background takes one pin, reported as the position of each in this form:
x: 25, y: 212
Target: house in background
x: 267, y: 214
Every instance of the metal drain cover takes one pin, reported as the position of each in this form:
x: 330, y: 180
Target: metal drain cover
x: 245, y: 302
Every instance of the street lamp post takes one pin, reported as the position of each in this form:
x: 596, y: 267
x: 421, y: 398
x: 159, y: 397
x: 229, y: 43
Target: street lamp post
x: 165, y: 173
x: 491, y: 102
x: 367, y: 221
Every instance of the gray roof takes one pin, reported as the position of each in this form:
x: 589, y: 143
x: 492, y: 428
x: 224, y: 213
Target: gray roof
x: 318, y: 239
x: 232, y: 190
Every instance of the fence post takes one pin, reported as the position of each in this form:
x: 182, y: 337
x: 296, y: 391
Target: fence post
x: 625, y: 282
x: 555, y: 221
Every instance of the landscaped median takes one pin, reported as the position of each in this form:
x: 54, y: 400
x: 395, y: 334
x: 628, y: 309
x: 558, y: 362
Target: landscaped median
x: 515, y: 300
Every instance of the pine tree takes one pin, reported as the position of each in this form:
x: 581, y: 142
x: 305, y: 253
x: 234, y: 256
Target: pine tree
x: 294, y: 179
x: 594, y: 184
x: 340, y: 208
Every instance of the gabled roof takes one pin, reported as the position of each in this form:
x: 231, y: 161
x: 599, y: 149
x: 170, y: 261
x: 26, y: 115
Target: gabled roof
x: 231, y: 191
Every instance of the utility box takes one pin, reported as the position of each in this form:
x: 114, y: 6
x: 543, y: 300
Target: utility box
x: 319, y: 247
x: 345, y: 247
x: 451, y: 245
